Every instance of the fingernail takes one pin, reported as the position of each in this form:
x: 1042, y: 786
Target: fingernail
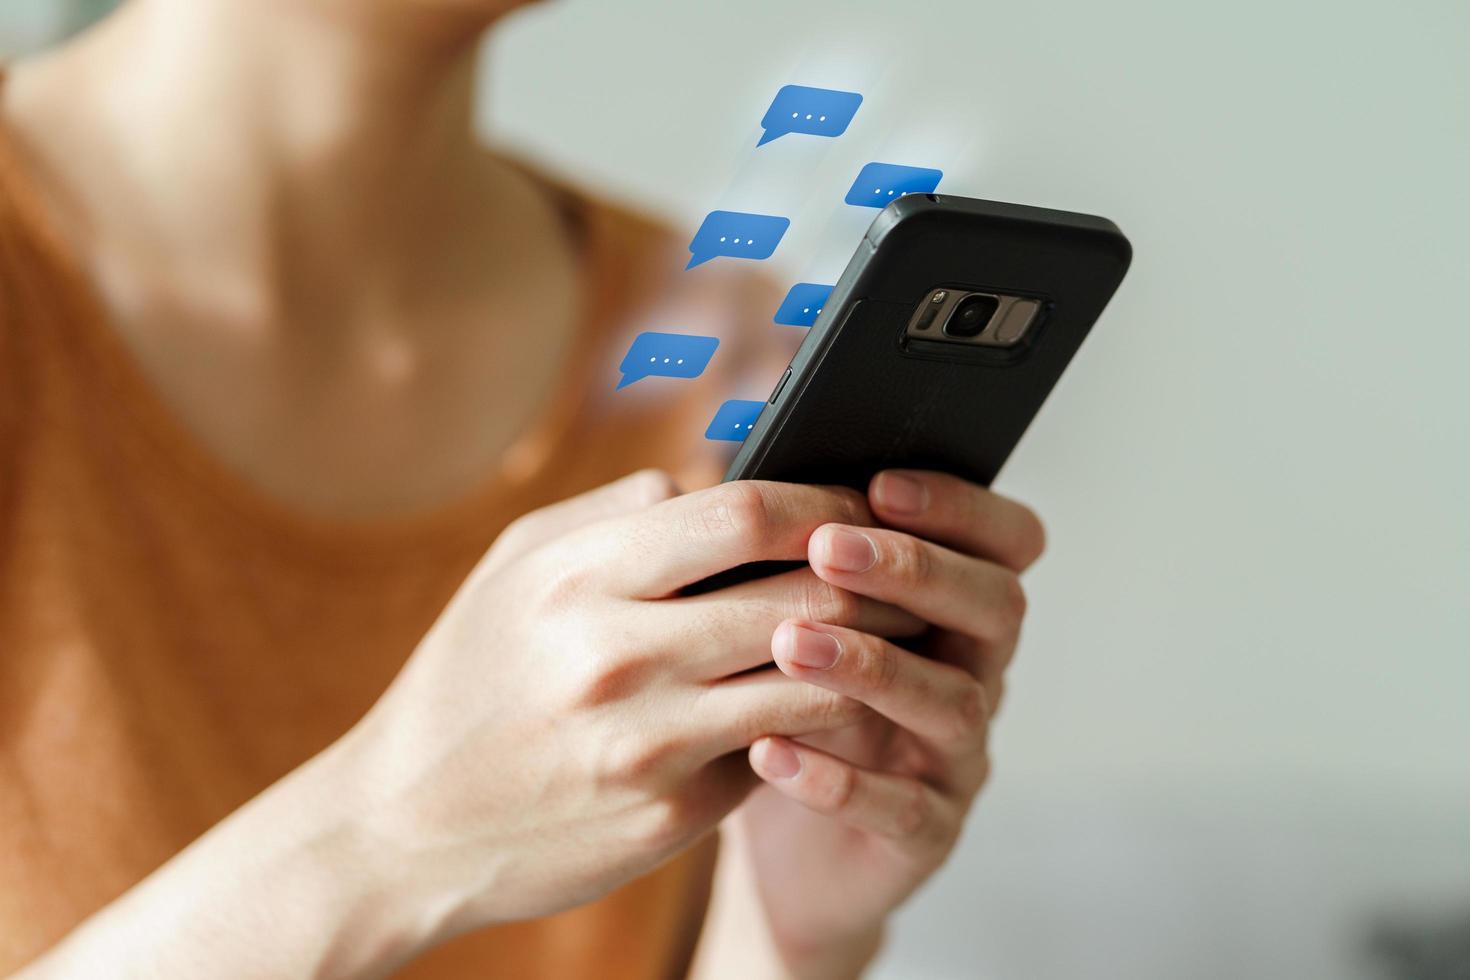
x: 902, y: 494
x: 780, y: 760
x: 849, y: 551
x: 809, y: 648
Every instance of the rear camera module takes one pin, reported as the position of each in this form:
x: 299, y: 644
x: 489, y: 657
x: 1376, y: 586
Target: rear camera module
x: 971, y: 315
x: 950, y: 316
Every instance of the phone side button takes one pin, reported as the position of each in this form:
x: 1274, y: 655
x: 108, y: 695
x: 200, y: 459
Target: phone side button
x: 776, y: 391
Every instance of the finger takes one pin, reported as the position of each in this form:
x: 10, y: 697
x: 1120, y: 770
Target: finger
x: 719, y: 787
x: 986, y: 663
x: 689, y: 538
x: 732, y: 714
x: 953, y: 591
x: 725, y: 632
x: 959, y: 514
x: 936, y: 701
x: 634, y: 492
x: 898, y: 807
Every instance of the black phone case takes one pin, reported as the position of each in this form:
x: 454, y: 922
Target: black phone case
x: 859, y: 396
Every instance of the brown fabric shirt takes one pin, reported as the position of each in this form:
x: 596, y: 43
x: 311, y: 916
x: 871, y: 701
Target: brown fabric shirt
x: 172, y: 640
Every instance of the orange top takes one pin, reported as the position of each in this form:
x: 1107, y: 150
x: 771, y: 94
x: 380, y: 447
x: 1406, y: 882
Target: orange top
x: 173, y: 640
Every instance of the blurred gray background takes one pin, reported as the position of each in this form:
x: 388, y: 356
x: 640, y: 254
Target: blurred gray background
x: 1237, y: 742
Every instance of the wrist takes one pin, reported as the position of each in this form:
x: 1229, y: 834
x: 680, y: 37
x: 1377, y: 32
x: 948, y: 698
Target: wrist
x: 297, y: 882
x: 740, y: 938
x: 728, y: 951
x: 844, y: 959
x: 384, y: 907
x: 402, y: 889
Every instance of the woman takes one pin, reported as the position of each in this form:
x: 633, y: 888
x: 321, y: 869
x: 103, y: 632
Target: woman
x: 282, y: 353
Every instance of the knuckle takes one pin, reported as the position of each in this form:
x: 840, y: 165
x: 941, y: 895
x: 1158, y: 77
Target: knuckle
x: 1031, y: 538
x: 517, y: 530
x: 612, y: 682
x: 879, y: 667
x: 995, y: 693
x: 813, y: 710
x: 851, y: 507
x: 651, y: 486
x: 737, y: 509
x: 559, y: 575
x: 630, y: 759
x: 824, y: 602
x: 910, y: 559
x: 839, y: 710
x: 665, y: 823
x: 972, y: 709
x: 1013, y: 600
x: 608, y: 674
x: 1011, y: 528
x: 913, y: 811
x: 834, y: 790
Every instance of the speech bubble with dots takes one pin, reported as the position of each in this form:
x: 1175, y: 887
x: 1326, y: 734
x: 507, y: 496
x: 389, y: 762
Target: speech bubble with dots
x: 734, y: 420
x: 803, y: 303
x: 812, y: 111
x: 666, y: 355
x: 736, y: 234
x: 879, y: 183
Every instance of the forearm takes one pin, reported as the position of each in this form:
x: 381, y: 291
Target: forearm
x: 739, y: 940
x: 295, y: 883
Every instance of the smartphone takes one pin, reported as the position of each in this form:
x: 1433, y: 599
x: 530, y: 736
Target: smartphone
x: 939, y: 344
x: 946, y: 332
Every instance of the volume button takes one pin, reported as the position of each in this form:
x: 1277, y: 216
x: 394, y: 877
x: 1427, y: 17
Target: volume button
x: 776, y: 392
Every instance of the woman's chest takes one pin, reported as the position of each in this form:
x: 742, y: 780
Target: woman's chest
x: 146, y: 691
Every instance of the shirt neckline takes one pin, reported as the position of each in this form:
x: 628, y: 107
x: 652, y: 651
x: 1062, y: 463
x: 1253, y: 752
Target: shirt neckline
x: 508, y: 488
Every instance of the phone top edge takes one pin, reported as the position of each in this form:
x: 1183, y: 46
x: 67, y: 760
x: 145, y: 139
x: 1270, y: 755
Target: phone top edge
x: 912, y: 206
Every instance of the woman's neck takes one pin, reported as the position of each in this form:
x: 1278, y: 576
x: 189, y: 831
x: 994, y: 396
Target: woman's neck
x: 268, y: 147
x: 283, y: 210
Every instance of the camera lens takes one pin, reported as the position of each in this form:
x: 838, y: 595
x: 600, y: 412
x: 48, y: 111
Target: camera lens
x: 971, y: 315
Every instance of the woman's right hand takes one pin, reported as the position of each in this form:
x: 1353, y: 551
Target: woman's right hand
x: 568, y: 723
x: 572, y: 720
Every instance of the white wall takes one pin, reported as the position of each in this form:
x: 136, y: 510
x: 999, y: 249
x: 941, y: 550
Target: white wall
x: 1239, y: 729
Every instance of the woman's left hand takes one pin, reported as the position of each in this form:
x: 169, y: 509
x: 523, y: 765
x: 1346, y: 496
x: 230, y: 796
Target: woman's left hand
x: 851, y: 822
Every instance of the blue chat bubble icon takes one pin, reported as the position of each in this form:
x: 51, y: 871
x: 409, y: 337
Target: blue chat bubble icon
x: 879, y: 183
x: 802, y: 304
x: 813, y: 111
x: 737, y: 235
x: 666, y: 355
x: 734, y: 420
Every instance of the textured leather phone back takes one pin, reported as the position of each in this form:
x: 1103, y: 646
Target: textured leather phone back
x: 863, y: 397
